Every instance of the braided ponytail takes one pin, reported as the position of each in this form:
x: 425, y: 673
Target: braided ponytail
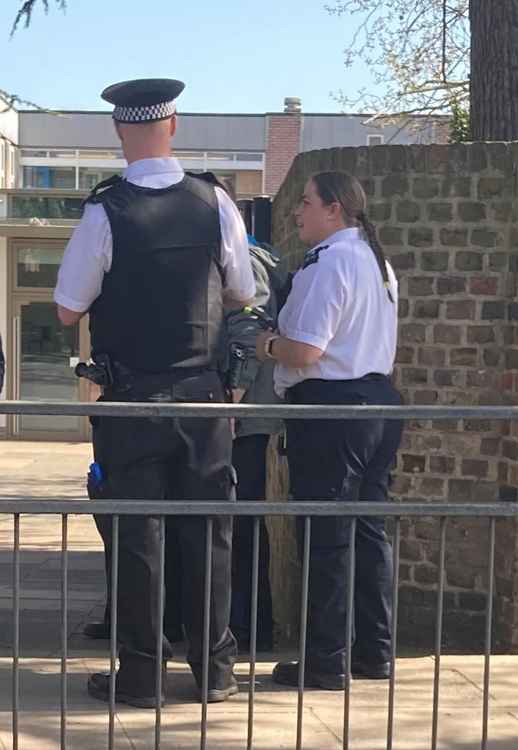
x: 372, y: 239
x: 342, y: 188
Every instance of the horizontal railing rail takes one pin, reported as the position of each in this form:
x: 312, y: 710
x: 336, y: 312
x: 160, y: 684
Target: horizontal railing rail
x: 281, y: 411
x: 73, y: 506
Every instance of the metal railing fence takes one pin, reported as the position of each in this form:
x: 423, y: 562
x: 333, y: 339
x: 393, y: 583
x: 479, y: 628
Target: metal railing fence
x: 305, y: 509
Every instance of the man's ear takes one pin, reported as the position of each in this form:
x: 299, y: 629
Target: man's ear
x: 173, y: 126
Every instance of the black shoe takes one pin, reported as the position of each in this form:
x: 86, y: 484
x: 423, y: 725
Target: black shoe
x: 375, y: 671
x: 287, y: 673
x: 97, y: 631
x: 99, y: 687
x: 218, y: 695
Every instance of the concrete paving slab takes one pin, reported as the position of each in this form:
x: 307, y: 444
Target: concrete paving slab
x: 503, y: 676
x: 460, y: 729
x: 41, y: 731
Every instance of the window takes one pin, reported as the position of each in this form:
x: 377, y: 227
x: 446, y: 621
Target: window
x: 33, y: 152
x: 89, y: 177
x: 375, y: 140
x: 3, y: 176
x: 49, y: 177
x: 249, y: 156
x: 189, y: 154
x: 100, y: 154
x: 27, y: 207
x: 220, y: 155
x: 37, y: 266
x: 62, y: 154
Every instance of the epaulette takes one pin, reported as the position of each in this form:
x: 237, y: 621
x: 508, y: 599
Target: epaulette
x: 101, y: 187
x: 311, y: 256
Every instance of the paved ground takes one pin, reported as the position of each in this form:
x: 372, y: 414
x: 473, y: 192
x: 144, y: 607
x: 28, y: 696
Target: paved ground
x: 58, y: 469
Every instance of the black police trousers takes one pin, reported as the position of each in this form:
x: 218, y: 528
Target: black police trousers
x: 345, y: 461
x: 249, y: 459
x: 169, y: 459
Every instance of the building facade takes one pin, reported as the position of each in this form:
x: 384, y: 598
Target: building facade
x: 49, y: 161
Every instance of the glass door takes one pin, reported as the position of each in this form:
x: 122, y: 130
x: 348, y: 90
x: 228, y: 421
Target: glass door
x: 45, y: 355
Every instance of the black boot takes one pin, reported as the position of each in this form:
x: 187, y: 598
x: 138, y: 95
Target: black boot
x: 97, y: 630
x: 287, y: 673
x: 222, y: 683
x: 222, y: 692
x: 364, y: 670
x: 134, y: 684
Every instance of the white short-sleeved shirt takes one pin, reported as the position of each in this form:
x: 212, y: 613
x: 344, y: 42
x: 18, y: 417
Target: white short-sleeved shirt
x: 88, y: 255
x: 340, y: 305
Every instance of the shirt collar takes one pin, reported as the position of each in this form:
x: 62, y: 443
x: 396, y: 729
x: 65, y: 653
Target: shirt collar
x: 157, y: 165
x: 349, y: 233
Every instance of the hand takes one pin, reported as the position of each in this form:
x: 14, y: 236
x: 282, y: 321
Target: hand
x: 259, y: 344
x: 237, y: 395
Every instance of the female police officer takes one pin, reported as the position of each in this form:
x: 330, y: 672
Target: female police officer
x: 336, y: 345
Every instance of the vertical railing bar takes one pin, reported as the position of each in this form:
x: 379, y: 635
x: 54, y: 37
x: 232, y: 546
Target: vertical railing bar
x: 303, y: 627
x: 64, y: 627
x: 393, y: 651
x: 160, y: 631
x: 114, y: 580
x: 253, y: 631
x: 489, y: 624
x: 206, y: 633
x: 438, y: 632
x: 16, y: 628
x: 349, y: 630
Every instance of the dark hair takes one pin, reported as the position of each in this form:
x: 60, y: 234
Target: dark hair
x: 343, y: 188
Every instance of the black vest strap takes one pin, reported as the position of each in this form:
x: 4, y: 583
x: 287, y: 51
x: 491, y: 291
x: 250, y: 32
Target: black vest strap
x: 96, y: 194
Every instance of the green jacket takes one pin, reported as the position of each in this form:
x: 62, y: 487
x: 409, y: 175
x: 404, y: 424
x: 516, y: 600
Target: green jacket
x: 242, y: 329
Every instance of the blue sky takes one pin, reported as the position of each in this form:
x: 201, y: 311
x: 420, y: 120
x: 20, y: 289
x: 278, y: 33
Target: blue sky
x: 234, y: 55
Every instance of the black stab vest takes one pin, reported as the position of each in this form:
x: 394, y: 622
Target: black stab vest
x: 161, y: 303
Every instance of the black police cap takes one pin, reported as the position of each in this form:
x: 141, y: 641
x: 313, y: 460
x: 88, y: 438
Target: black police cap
x: 144, y: 99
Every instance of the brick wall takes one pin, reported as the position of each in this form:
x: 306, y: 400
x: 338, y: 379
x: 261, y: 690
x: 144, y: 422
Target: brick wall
x: 282, y: 146
x: 447, y: 220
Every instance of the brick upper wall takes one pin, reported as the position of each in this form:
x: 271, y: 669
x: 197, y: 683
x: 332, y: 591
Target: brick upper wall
x: 447, y: 219
x: 282, y: 146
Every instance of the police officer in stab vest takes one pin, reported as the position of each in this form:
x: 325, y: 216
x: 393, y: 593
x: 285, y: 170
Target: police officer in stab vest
x: 154, y: 260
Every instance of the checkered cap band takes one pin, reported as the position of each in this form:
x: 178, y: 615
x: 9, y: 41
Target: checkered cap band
x: 144, y: 114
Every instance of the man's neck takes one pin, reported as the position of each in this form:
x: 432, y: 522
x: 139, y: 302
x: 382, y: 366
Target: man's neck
x: 139, y: 154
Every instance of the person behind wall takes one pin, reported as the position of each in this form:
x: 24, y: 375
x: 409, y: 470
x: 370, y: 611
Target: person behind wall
x: 155, y: 251
x: 255, y: 386
x: 336, y: 344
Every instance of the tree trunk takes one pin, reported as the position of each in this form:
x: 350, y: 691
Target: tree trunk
x: 494, y: 70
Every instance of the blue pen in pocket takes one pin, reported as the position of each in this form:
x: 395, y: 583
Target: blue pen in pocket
x: 95, y: 480
x: 96, y: 473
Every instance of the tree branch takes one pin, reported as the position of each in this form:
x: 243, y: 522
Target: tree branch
x: 416, y: 50
x: 25, y: 12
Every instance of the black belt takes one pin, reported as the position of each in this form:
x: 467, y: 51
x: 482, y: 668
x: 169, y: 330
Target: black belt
x: 126, y: 378
x: 369, y: 377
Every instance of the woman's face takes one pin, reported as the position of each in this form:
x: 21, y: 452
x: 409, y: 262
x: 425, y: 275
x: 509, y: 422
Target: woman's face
x: 315, y: 220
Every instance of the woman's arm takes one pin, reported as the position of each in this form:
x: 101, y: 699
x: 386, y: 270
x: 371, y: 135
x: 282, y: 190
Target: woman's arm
x: 288, y: 352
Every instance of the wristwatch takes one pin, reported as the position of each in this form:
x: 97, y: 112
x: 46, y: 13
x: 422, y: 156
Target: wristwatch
x: 268, y: 343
